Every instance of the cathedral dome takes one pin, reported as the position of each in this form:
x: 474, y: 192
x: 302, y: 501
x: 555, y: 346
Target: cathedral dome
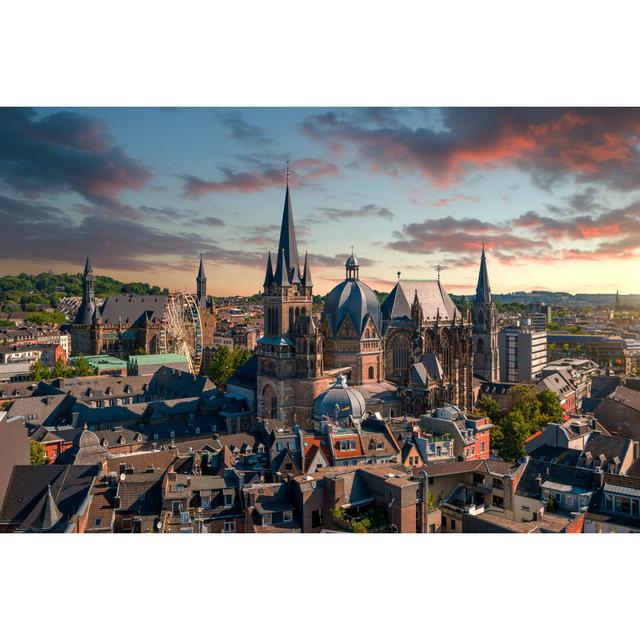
x: 355, y: 299
x: 339, y: 401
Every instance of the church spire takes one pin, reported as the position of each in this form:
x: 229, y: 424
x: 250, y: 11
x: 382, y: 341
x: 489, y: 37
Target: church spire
x: 268, y: 276
x: 282, y: 273
x: 483, y: 290
x: 201, y: 282
x: 88, y: 304
x: 288, y: 244
x: 306, y: 277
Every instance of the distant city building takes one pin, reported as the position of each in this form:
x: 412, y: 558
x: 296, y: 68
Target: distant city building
x: 538, y: 315
x: 523, y: 353
x: 611, y: 353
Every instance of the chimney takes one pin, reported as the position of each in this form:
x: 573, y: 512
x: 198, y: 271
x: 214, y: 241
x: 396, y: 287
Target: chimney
x: 598, y: 479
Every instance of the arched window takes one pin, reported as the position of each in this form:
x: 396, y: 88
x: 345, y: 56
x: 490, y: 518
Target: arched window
x: 312, y: 348
x: 371, y: 373
x: 291, y: 318
x: 274, y: 406
x: 400, y: 354
x: 303, y: 311
x: 297, y: 312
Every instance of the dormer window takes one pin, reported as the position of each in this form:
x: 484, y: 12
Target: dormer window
x: 228, y: 499
x: 266, y: 518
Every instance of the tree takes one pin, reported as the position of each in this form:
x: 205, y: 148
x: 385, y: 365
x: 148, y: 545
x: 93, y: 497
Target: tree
x: 487, y: 406
x: 225, y: 362
x: 524, y: 400
x: 39, y: 371
x: 550, y: 408
x: 81, y: 367
x: 552, y: 505
x: 140, y: 351
x: 38, y: 453
x: 61, y: 369
x: 515, y: 431
x: 46, y: 317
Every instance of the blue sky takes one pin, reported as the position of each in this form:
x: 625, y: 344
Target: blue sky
x: 553, y: 192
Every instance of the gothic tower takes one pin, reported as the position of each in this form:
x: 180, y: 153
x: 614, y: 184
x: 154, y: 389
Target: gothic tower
x: 290, y: 359
x: 486, y: 362
x: 207, y: 311
x: 80, y: 329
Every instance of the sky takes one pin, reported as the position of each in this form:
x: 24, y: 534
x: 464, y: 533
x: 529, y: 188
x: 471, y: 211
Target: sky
x: 553, y: 193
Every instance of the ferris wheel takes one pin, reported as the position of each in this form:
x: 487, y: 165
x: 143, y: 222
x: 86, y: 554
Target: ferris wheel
x: 181, y: 329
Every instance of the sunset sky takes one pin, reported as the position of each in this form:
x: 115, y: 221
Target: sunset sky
x: 554, y: 192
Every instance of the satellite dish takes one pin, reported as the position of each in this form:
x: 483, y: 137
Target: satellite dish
x: 123, y: 477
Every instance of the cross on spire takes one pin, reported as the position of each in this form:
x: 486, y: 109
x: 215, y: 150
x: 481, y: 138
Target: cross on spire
x: 439, y: 268
x: 288, y: 172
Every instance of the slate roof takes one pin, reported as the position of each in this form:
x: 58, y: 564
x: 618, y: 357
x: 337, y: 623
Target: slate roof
x: 133, y: 310
x: 557, y: 455
x: 25, y: 507
x: 558, y: 473
x: 611, y: 447
x: 246, y: 376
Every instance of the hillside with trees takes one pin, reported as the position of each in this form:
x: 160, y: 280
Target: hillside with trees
x: 35, y: 293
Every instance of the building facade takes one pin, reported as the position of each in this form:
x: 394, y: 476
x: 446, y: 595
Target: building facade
x: 523, y: 353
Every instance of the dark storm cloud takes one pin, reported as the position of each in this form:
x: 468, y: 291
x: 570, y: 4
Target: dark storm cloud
x: 551, y: 145
x: 62, y: 152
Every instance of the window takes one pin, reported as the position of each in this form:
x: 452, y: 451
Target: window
x: 228, y: 500
x: 126, y: 523
x: 498, y: 501
x: 453, y: 524
x: 371, y: 373
x: 98, y: 522
x: 498, y: 484
x: 287, y: 516
x: 444, y: 521
x: 570, y: 501
x: 316, y: 518
x: 288, y: 466
x: 229, y: 526
x: 482, y: 447
x: 266, y: 518
x: 141, y: 496
x: 279, y: 446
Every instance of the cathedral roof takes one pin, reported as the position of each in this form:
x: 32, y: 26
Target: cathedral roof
x: 355, y: 299
x: 349, y: 401
x: 432, y: 296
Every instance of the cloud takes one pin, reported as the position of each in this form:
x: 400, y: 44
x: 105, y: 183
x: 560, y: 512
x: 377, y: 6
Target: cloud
x: 51, y: 235
x: 64, y: 152
x: 550, y: 144
x: 445, y: 202
x: 241, y: 131
x: 365, y: 211
x: 259, y: 176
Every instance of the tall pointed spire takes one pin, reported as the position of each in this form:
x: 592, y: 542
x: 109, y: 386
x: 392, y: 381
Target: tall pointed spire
x: 306, y: 277
x: 88, y: 304
x: 483, y: 290
x: 288, y: 244
x: 268, y: 277
x: 201, y: 284
x: 282, y: 273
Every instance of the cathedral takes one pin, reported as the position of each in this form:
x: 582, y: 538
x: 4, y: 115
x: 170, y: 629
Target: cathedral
x: 415, y: 349
x: 125, y: 324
